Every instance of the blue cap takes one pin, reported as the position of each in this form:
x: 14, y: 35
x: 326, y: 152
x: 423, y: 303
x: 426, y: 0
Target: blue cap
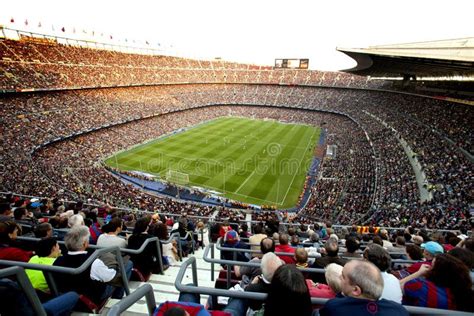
x: 432, y: 247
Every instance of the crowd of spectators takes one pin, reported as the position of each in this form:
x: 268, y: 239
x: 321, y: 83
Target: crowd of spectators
x: 27, y: 64
x: 373, y: 277
x: 368, y: 180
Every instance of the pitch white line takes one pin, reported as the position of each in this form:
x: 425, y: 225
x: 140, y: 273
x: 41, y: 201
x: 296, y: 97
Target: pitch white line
x: 243, y: 183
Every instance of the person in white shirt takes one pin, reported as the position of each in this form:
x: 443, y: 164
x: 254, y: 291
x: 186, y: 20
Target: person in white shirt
x: 381, y: 258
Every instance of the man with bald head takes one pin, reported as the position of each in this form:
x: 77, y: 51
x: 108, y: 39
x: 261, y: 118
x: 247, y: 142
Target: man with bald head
x: 361, y: 286
x: 249, y: 273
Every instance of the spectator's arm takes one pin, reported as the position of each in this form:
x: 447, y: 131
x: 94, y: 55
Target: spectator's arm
x: 421, y: 272
x: 100, y: 272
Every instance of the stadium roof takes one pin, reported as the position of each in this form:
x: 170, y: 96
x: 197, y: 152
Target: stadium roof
x: 446, y: 58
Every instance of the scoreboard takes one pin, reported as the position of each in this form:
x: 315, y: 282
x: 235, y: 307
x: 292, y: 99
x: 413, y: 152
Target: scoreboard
x: 292, y: 63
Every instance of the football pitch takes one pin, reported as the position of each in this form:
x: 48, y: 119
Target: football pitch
x: 262, y: 162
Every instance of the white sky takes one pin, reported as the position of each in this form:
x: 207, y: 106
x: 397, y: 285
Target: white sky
x: 253, y: 31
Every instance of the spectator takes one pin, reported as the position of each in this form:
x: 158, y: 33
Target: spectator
x: 381, y: 259
x: 288, y: 285
x: 362, y: 286
x: 92, y: 282
x: 6, y: 213
x: 75, y: 220
x: 261, y: 283
x: 444, y: 284
x: 301, y: 258
x: 352, y: 247
x: 232, y: 240
x: 47, y: 251
x: 43, y: 230
x: 256, y: 238
x: 8, y: 249
x: 249, y: 273
x: 224, y: 228
x: 333, y: 279
x: 285, y: 247
x: 13, y: 301
x: 430, y: 250
x: 147, y: 261
x: 330, y: 255
x: 110, y: 237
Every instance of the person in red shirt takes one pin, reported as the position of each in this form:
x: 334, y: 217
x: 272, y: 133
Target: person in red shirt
x: 284, y: 247
x: 224, y: 229
x: 8, y: 234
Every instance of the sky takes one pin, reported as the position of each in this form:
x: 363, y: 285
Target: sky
x: 250, y: 31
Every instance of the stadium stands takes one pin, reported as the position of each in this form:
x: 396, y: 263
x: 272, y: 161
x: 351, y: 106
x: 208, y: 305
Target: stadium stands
x: 65, y: 108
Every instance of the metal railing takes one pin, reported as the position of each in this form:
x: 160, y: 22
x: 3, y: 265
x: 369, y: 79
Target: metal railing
x: 49, y: 270
x: 26, y: 287
x: 196, y: 289
x: 230, y: 263
x: 146, y: 290
x: 122, y: 250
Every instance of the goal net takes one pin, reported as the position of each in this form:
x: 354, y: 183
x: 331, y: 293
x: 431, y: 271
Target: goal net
x: 177, y: 177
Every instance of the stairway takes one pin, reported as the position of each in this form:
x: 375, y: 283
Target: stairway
x: 163, y: 285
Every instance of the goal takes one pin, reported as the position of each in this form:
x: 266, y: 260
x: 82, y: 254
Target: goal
x: 177, y: 177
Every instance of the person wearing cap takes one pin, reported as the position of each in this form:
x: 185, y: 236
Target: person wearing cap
x: 232, y: 240
x: 430, y: 250
x: 445, y: 284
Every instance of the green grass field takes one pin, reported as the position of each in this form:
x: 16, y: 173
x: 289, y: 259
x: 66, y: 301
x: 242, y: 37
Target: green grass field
x: 252, y: 161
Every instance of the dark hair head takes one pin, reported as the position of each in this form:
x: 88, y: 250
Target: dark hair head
x: 450, y: 272
x: 45, y: 246
x: 377, y: 240
x: 295, y: 240
x: 414, y: 251
x: 378, y: 256
x: 288, y: 285
x: 141, y: 225
x: 466, y: 256
x: 160, y: 230
x: 267, y: 245
x: 41, y: 230
x: 352, y: 244
x: 469, y: 244
x: 400, y: 240
x: 19, y: 212
x: 257, y: 229
x: 4, y: 207
x: 7, y: 228
x: 115, y: 223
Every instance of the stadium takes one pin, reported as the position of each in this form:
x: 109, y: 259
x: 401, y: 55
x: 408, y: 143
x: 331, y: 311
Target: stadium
x: 199, y: 163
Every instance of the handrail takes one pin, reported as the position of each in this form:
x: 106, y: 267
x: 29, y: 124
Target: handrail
x: 49, y: 270
x: 144, y: 290
x: 230, y: 263
x: 122, y: 250
x: 206, y: 258
x: 195, y: 289
x: 25, y: 285
x: 175, y: 236
x: 221, y: 248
